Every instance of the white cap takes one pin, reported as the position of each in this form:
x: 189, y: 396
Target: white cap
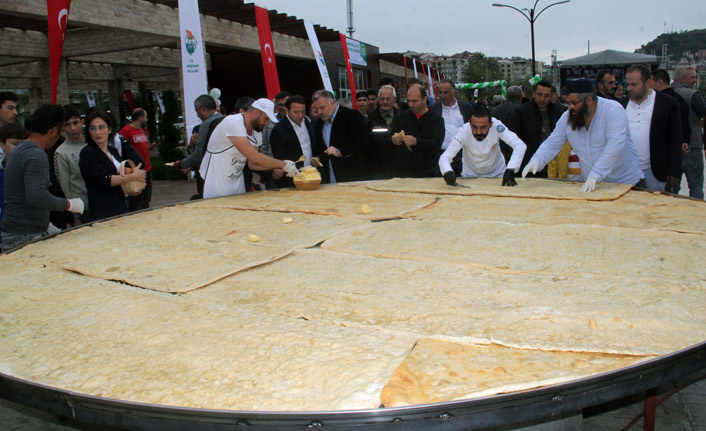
x: 266, y: 106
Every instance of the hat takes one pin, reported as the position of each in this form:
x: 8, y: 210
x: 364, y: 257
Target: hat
x: 266, y: 106
x: 578, y: 86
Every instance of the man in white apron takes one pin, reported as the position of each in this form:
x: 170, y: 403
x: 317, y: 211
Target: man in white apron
x: 233, y: 143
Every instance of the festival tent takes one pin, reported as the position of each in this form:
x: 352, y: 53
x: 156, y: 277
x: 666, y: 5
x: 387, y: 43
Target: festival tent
x: 610, y: 57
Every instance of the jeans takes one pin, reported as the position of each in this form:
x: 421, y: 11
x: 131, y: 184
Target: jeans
x: 693, y: 166
x: 13, y: 240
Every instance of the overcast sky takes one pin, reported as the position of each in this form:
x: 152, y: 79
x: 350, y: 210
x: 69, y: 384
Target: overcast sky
x: 451, y: 26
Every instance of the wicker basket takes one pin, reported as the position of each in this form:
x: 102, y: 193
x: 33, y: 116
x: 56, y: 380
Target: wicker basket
x: 303, y: 183
x: 132, y: 187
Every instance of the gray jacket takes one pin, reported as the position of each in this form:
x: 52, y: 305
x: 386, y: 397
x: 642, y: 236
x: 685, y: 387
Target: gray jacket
x: 193, y: 160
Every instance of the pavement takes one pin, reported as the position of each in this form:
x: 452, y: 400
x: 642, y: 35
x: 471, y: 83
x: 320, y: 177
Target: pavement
x: 682, y: 410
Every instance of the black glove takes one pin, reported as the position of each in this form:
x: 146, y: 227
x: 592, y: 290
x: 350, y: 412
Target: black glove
x: 450, y: 178
x: 509, y: 178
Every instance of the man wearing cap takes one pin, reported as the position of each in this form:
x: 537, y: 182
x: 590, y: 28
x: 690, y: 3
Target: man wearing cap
x: 597, y: 130
x: 234, y: 143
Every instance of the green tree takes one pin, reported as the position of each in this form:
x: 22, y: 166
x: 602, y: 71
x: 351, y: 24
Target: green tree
x: 170, y: 137
x: 481, y: 69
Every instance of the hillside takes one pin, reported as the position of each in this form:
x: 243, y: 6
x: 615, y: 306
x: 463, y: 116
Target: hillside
x: 679, y: 43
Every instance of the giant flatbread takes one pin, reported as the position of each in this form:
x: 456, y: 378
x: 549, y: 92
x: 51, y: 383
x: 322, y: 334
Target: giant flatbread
x: 562, y: 249
x: 327, y: 200
x: 527, y: 188
x: 177, y: 249
x: 437, y: 371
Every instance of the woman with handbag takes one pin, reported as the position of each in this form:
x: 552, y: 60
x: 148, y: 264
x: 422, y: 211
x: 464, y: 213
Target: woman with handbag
x: 103, y: 169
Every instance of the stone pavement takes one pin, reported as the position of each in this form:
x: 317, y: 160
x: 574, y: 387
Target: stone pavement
x: 685, y: 410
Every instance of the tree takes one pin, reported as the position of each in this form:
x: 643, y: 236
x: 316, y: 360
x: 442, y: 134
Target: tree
x: 482, y: 69
x: 170, y: 137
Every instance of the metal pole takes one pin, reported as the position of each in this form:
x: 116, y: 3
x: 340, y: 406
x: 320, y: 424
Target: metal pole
x: 534, y: 71
x: 349, y: 5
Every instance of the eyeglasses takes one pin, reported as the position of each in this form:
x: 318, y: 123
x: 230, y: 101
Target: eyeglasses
x: 97, y: 128
x: 574, y: 104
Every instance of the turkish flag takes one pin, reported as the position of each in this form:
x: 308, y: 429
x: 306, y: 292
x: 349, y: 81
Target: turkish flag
x: 406, y: 84
x: 262, y: 18
x: 349, y: 69
x: 57, y: 18
x: 130, y: 99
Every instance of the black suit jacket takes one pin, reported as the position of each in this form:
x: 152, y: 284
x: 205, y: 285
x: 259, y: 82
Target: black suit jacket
x: 526, y: 122
x: 466, y: 109
x: 104, y: 200
x: 349, y: 135
x: 285, y: 144
x: 665, y: 137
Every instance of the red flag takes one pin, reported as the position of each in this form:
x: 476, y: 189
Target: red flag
x: 57, y: 18
x: 426, y: 78
x: 406, y: 85
x: 349, y: 69
x: 130, y: 100
x: 433, y: 80
x: 262, y: 18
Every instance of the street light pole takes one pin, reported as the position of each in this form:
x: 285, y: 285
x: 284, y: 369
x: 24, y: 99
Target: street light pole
x: 531, y: 17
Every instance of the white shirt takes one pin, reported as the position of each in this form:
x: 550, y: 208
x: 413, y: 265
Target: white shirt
x: 484, y: 158
x: 453, y: 121
x: 222, y: 165
x: 304, y: 139
x: 605, y: 150
x: 640, y: 119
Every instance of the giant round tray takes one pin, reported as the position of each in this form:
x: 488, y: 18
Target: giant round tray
x: 517, y: 408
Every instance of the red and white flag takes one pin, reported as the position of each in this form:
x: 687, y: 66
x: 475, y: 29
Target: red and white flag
x: 349, y: 69
x: 57, y: 18
x: 267, y: 50
x: 406, y: 84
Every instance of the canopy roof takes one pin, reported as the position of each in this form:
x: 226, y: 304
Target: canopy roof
x: 610, y: 57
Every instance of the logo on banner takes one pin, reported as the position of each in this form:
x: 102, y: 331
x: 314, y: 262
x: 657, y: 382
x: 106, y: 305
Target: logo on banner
x: 268, y: 52
x: 190, y: 42
x: 321, y: 58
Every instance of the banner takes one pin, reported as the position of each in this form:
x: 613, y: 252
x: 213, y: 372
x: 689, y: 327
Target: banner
x: 57, y: 18
x: 414, y: 63
x: 267, y: 50
x: 90, y: 98
x: 130, y: 100
x: 349, y: 69
x: 406, y: 84
x: 314, y: 41
x: 160, y: 102
x: 193, y: 63
x: 357, y: 52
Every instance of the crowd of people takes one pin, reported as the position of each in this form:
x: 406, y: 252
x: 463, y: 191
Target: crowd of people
x: 61, y: 170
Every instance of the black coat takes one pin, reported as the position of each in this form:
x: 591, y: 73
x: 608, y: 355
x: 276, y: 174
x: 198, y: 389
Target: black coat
x: 104, y: 200
x: 380, y: 149
x: 285, y: 145
x: 683, y: 114
x: 526, y: 122
x: 423, y: 159
x: 349, y: 134
x: 466, y: 109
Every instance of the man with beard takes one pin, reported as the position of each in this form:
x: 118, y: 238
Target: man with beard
x: 416, y: 137
x: 135, y: 134
x: 606, y: 85
x: 234, y: 143
x: 480, y: 141
x: 597, y: 130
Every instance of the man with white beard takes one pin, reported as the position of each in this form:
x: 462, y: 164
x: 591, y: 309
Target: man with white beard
x: 480, y: 141
x: 597, y: 130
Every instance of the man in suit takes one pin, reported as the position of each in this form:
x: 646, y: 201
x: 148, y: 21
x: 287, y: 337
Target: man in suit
x: 456, y: 113
x: 292, y: 137
x: 379, y: 121
x: 655, y: 126
x: 342, y: 139
x: 534, y: 121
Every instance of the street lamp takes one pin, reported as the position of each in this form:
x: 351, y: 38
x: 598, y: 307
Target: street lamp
x: 531, y: 17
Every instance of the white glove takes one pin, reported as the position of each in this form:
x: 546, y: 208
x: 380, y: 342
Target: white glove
x: 290, y: 169
x: 53, y: 229
x: 589, y: 185
x: 76, y: 205
x: 531, y: 166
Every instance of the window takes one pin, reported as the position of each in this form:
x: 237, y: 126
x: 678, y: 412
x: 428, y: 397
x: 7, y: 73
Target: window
x: 361, y: 77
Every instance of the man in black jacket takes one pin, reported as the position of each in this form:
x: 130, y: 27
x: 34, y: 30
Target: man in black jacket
x: 655, y: 126
x: 292, y: 137
x: 533, y: 122
x: 417, y: 135
x: 379, y: 122
x: 660, y: 82
x: 342, y: 140
x: 455, y: 113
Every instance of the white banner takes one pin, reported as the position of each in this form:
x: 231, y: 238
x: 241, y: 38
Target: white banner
x: 318, y: 55
x: 414, y: 63
x: 430, y: 84
x: 158, y: 96
x: 193, y: 63
x: 356, y: 51
x: 91, y: 98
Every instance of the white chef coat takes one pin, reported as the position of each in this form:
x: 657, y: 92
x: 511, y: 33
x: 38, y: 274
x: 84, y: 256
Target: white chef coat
x: 484, y: 158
